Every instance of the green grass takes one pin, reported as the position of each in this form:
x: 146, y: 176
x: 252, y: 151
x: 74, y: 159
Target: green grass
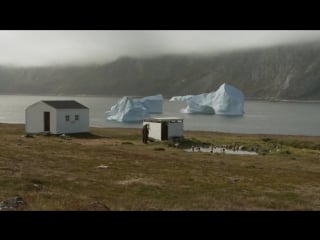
x: 55, y: 173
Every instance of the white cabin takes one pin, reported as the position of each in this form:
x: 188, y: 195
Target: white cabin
x: 165, y: 128
x: 57, y: 117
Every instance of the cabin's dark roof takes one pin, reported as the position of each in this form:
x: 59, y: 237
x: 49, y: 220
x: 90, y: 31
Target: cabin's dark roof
x: 65, y: 104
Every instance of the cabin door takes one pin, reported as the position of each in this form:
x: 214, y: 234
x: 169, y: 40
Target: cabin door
x: 164, y: 131
x: 46, y: 121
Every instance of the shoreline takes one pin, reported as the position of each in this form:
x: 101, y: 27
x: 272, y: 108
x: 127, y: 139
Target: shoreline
x: 165, y: 97
x: 193, y: 131
x: 282, y: 100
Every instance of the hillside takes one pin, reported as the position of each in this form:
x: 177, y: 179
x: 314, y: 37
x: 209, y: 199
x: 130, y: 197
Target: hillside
x: 282, y: 72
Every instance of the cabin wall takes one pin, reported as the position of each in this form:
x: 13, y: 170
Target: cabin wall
x: 35, y: 118
x: 175, y: 129
x: 73, y: 125
x: 154, y: 130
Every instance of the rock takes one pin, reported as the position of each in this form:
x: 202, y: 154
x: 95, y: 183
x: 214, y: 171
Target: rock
x: 98, y: 206
x: 28, y: 136
x: 12, y: 203
x: 235, y: 179
x: 66, y: 137
x: 102, y: 166
x: 242, y: 148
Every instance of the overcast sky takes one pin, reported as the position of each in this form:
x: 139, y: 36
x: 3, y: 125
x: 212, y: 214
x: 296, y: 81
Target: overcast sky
x: 35, y: 48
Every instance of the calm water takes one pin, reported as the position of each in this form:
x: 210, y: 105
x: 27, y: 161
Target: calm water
x: 260, y: 116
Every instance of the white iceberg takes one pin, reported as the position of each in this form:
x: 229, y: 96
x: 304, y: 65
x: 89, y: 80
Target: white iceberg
x: 227, y: 100
x: 152, y: 103
x: 135, y: 110
x: 181, y: 98
x: 126, y: 110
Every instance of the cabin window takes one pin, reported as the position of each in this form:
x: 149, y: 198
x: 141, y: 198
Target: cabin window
x: 67, y: 118
x: 76, y: 117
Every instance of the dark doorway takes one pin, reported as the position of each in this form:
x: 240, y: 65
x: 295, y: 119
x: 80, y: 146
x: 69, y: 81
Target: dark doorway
x: 164, y: 131
x: 46, y: 121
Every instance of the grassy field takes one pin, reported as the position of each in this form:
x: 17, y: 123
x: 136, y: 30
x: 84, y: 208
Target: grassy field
x: 111, y: 169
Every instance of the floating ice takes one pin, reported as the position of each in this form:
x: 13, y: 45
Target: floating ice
x: 181, y: 98
x: 227, y: 100
x: 135, y: 110
x: 152, y: 103
x: 126, y: 110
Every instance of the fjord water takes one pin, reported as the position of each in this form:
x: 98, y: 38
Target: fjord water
x: 287, y: 118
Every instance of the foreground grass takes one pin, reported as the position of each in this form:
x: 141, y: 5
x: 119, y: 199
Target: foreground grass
x: 55, y: 173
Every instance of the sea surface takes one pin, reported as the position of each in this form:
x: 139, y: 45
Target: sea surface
x: 286, y: 118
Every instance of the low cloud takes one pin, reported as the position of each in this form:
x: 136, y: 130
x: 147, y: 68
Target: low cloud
x: 37, y: 48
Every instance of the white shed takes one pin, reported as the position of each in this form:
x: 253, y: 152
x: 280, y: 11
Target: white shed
x: 57, y: 117
x: 165, y: 128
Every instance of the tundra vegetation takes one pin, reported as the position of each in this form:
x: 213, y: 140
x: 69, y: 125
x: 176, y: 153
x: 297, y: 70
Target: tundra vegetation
x: 111, y: 169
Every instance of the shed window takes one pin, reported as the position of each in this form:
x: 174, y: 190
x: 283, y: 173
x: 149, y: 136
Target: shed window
x: 76, y: 117
x: 67, y: 118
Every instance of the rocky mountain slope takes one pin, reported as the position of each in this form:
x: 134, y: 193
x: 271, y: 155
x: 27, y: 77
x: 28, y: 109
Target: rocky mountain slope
x: 282, y: 72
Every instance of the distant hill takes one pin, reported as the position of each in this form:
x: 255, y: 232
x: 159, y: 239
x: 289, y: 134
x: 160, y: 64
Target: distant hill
x: 282, y: 72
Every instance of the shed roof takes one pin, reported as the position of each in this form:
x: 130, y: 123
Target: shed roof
x: 65, y: 104
x: 164, y: 119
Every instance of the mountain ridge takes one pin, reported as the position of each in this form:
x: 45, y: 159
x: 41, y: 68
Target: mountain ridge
x: 275, y: 73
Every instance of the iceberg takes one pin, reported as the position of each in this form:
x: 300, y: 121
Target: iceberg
x: 180, y: 98
x: 152, y: 103
x: 128, y: 109
x: 199, y: 104
x: 227, y: 100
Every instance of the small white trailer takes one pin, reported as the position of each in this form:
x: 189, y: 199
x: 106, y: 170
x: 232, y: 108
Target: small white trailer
x: 165, y: 128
